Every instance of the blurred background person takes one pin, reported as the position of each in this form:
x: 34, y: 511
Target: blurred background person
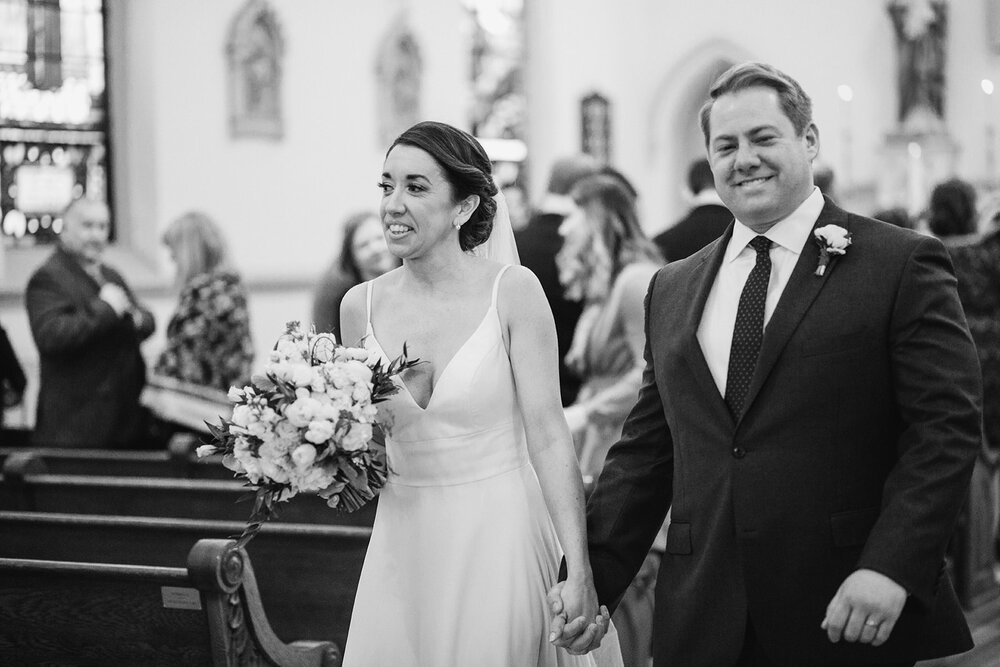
x: 87, y: 326
x: 823, y: 178
x: 363, y: 256
x: 208, y: 339
x: 952, y: 216
x: 537, y: 245
x: 705, y: 221
x: 895, y: 215
x: 12, y: 380
x: 606, y: 264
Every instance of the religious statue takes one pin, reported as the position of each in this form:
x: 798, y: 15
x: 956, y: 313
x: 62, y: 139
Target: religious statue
x: 400, y: 73
x: 921, y: 31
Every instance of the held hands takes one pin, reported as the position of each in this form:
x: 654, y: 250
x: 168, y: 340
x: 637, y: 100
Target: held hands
x: 865, y: 608
x: 572, y: 604
x: 116, y: 297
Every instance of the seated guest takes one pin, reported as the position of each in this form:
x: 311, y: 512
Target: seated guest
x: 363, y: 256
x: 12, y: 380
x: 704, y: 223
x: 208, y: 336
x: 87, y: 325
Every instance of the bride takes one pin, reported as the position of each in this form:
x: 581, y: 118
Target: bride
x: 484, y: 495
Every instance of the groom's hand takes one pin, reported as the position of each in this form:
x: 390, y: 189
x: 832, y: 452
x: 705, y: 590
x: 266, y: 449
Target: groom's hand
x: 865, y: 608
x: 577, y: 636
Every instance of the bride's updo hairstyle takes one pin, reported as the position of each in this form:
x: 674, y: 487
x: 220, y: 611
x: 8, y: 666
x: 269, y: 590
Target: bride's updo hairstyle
x: 466, y: 167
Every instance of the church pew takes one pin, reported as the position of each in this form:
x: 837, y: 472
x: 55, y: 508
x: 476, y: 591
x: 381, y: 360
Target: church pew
x: 123, y: 463
x: 29, y: 487
x: 307, y: 575
x: 208, y: 612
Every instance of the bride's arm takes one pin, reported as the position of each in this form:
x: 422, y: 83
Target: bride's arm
x: 531, y: 342
x: 353, y: 323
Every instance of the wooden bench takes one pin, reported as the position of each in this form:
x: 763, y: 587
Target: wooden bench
x: 27, y: 486
x: 307, y: 574
x: 207, y: 613
x: 116, y: 462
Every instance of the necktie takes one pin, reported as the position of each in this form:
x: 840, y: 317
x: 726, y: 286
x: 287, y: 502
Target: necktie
x: 749, y: 330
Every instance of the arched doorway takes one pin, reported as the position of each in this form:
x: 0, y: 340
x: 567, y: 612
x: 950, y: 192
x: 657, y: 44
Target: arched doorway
x: 674, y: 128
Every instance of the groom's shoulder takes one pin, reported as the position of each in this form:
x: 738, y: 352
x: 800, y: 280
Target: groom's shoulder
x: 882, y: 241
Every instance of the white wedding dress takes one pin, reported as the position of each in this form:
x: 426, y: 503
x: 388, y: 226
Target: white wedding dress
x: 462, y: 551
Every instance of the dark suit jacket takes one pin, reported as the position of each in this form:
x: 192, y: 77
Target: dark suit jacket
x: 696, y: 230
x: 91, y: 369
x: 855, y: 450
x: 537, y: 245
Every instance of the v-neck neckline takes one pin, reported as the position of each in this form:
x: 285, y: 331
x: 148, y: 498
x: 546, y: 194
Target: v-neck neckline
x: 444, y: 369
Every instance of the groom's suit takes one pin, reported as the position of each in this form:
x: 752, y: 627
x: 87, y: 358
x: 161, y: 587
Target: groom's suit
x: 855, y: 450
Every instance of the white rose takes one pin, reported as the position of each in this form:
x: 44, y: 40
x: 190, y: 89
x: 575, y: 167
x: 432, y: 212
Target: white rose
x: 286, y: 430
x: 356, y: 438
x: 242, y: 415
x: 288, y: 349
x: 358, y: 372
x: 257, y: 429
x: 303, y: 456
x: 302, y: 375
x: 355, y: 353
x: 836, y: 238
x: 320, y: 430
x: 302, y: 411
x: 235, y: 394
x: 272, y: 470
x: 302, y: 392
x: 339, y: 376
x: 205, y: 450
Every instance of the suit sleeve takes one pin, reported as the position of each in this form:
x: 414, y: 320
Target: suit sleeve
x: 58, y: 323
x: 938, y: 392
x: 634, y: 491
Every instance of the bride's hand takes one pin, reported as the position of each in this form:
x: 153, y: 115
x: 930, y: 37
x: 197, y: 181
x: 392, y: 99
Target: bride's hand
x: 582, y: 633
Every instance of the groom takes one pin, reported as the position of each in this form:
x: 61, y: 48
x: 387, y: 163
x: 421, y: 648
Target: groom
x: 813, y: 430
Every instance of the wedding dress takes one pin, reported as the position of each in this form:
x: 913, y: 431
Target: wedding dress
x: 463, y: 550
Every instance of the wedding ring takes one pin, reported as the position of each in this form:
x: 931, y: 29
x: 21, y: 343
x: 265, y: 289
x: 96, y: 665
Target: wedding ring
x: 872, y: 624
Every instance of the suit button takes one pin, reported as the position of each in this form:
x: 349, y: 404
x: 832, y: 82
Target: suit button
x: 739, y: 452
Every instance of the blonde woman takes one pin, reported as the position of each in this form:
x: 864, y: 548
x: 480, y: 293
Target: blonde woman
x: 208, y: 337
x: 606, y: 263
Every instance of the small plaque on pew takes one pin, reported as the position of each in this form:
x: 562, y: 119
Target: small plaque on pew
x: 176, y: 597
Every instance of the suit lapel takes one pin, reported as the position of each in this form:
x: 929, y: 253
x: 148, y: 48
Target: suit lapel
x: 800, y: 292
x: 699, y: 285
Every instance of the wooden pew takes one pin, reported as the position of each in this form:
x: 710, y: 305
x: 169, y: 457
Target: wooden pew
x: 307, y: 575
x: 27, y: 486
x: 121, y: 463
x: 207, y: 613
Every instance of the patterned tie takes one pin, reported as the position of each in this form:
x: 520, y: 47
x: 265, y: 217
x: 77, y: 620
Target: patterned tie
x: 749, y: 330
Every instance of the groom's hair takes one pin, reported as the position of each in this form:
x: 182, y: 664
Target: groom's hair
x: 794, y: 101
x: 466, y: 167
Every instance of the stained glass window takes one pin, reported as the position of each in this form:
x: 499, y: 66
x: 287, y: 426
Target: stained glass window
x: 498, y: 109
x: 53, y: 114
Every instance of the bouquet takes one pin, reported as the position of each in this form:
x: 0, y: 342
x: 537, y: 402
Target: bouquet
x: 308, y: 423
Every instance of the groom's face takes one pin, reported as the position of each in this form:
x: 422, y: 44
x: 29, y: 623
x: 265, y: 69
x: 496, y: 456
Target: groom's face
x: 762, y: 166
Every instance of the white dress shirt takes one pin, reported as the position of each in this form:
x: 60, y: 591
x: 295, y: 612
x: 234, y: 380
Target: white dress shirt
x: 788, y: 237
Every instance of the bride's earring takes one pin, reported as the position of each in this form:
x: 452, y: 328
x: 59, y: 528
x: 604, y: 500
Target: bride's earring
x: 456, y: 224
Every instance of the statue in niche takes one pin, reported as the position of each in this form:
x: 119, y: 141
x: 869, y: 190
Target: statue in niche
x: 921, y: 31
x: 399, y: 72
x: 255, y: 50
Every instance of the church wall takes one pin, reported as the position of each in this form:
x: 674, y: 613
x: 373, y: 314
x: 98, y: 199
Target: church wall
x: 644, y: 55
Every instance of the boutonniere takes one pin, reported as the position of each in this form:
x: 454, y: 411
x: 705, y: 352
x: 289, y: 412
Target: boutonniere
x: 832, y: 240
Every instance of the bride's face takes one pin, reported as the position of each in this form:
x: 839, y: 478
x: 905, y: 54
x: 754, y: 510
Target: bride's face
x: 417, y: 207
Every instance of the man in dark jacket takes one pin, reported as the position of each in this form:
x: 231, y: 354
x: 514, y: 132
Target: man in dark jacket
x: 704, y: 223
x: 87, y: 326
